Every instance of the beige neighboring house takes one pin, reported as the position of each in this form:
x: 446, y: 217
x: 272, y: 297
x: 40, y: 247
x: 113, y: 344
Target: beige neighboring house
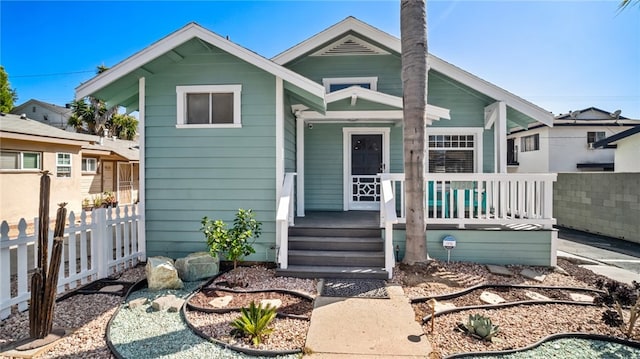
x: 111, y: 165
x: 47, y: 113
x: 79, y: 164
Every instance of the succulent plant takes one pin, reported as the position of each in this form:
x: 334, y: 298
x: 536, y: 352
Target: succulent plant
x: 612, y: 318
x: 480, y: 326
x: 620, y: 296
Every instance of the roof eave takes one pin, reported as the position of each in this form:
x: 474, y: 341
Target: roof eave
x: 180, y: 36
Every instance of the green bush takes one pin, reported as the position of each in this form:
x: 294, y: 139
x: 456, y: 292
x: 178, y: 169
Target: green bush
x: 235, y: 243
x: 254, y: 322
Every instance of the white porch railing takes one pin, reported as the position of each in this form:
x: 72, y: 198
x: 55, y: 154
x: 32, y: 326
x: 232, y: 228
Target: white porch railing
x: 481, y: 198
x: 110, y: 242
x: 470, y: 198
x: 284, y: 219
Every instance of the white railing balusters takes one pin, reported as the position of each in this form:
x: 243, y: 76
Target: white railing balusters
x: 482, y: 198
x: 16, y: 259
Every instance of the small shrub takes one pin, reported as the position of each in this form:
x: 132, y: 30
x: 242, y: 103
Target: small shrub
x: 254, y: 322
x: 234, y: 242
x: 481, y: 327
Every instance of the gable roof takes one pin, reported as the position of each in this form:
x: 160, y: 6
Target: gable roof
x: 617, y: 137
x: 188, y: 32
x: 591, y: 114
x: 14, y: 126
x: 18, y: 110
x: 129, y: 150
x: 353, y: 25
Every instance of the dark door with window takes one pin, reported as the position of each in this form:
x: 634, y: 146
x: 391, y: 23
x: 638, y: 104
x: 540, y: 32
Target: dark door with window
x: 366, y: 163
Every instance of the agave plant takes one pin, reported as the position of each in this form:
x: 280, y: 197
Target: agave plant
x: 480, y: 326
x: 254, y: 322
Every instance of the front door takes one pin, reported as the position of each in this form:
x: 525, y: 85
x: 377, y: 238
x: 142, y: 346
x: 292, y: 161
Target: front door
x: 367, y: 157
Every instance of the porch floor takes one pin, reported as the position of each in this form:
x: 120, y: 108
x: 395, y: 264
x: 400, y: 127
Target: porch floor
x: 371, y: 219
x: 339, y: 219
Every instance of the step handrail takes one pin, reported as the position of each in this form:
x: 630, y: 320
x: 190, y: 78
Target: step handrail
x: 284, y: 218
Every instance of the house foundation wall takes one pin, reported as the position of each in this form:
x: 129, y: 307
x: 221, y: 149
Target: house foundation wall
x: 489, y: 246
x: 600, y: 203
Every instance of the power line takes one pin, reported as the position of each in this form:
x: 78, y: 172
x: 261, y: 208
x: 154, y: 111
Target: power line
x: 54, y: 74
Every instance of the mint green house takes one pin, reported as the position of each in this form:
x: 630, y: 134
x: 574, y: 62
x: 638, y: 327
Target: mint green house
x: 312, y: 141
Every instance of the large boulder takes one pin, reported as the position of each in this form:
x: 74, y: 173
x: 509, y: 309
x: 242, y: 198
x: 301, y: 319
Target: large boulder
x: 162, y: 274
x: 195, y: 266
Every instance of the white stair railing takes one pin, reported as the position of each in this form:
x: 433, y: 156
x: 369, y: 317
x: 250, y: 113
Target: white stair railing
x: 284, y: 219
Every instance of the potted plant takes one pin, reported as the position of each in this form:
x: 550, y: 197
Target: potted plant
x: 87, y: 204
x: 109, y: 199
x: 97, y: 201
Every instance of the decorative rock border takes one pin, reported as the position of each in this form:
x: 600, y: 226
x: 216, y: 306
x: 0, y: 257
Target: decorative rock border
x: 237, y: 309
x: 245, y: 350
x: 631, y: 343
x: 503, y: 304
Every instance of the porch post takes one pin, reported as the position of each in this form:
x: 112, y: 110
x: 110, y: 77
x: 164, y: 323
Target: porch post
x: 142, y: 246
x: 300, y: 163
x: 496, y: 116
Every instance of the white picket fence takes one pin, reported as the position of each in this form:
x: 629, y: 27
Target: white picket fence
x: 106, y: 241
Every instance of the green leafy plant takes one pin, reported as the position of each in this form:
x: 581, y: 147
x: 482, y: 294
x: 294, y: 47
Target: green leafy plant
x: 480, y: 326
x: 618, y: 297
x: 235, y: 243
x: 254, y: 322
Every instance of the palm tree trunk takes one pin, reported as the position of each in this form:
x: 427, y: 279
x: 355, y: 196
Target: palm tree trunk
x: 413, y: 34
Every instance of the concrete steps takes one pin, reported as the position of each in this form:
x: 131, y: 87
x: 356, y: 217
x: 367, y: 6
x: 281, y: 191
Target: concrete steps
x: 316, y: 252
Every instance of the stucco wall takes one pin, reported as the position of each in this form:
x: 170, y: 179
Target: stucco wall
x: 627, y: 154
x: 602, y: 203
x: 19, y: 189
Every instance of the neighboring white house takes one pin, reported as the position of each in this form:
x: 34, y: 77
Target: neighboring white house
x: 568, y: 145
x: 627, y: 149
x: 50, y: 114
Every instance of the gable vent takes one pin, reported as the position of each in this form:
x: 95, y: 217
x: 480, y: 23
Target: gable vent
x: 350, y: 45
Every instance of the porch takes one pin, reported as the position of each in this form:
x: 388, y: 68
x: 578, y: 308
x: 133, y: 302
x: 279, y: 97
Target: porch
x: 496, y: 218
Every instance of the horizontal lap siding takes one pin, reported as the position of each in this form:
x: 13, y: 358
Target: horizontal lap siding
x: 385, y: 67
x: 289, y: 139
x: 323, y: 167
x: 488, y: 247
x: 192, y: 173
x: 466, y: 108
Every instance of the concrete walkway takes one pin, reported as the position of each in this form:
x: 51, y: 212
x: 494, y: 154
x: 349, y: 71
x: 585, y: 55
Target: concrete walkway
x: 366, y: 328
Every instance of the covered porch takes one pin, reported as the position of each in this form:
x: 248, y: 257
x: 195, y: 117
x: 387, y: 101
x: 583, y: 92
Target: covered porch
x: 496, y: 218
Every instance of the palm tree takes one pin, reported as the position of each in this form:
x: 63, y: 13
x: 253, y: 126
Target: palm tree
x: 413, y: 34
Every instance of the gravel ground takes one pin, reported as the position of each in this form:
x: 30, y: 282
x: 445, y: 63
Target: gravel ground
x: 572, y: 348
x: 141, y: 333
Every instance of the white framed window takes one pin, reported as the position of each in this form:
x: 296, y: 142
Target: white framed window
x: 63, y: 164
x: 595, y: 136
x: 530, y: 143
x: 338, y: 83
x: 203, y: 106
x: 89, y: 164
x: 18, y: 160
x: 454, y: 150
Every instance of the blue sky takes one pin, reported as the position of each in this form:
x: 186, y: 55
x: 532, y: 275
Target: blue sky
x: 561, y: 55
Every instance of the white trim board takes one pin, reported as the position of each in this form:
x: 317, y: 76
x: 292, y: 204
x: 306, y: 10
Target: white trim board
x: 181, y: 36
x: 352, y: 24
